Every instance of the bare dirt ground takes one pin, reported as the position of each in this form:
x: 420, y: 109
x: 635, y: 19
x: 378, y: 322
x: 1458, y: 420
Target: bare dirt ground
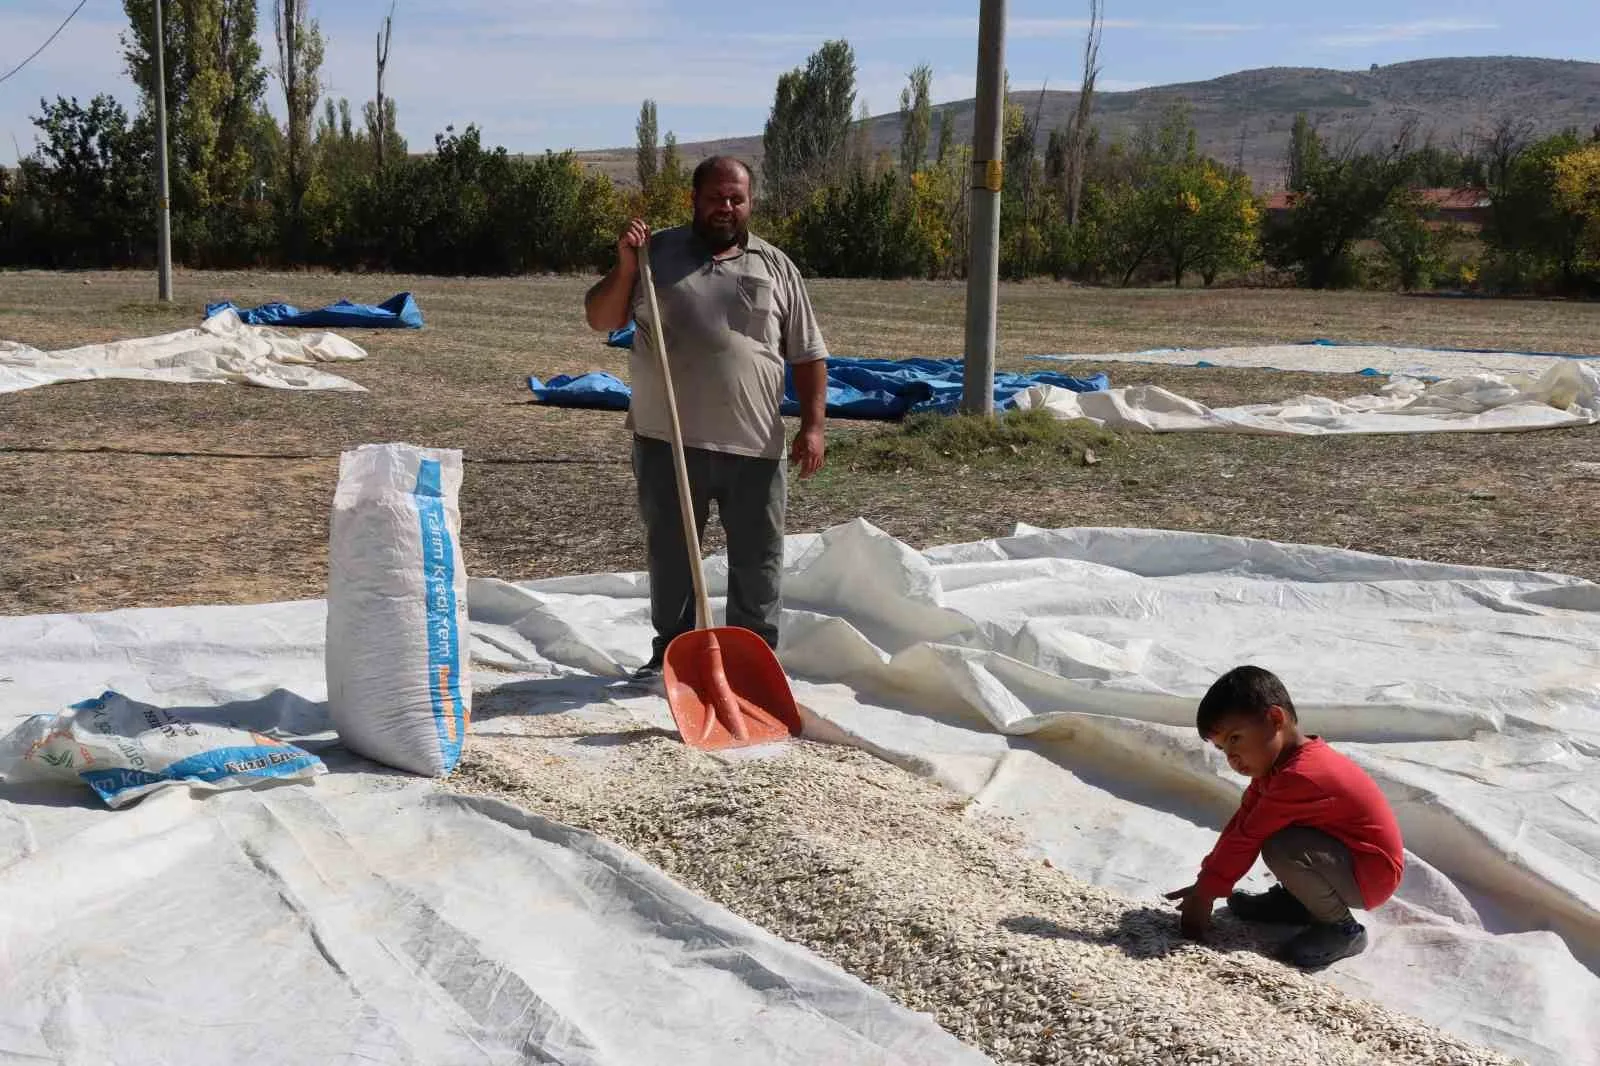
x: 117, y: 494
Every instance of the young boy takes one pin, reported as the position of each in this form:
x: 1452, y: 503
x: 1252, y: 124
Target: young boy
x: 1320, y: 823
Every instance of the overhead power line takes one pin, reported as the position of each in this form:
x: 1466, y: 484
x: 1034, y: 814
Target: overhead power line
x: 7, y: 75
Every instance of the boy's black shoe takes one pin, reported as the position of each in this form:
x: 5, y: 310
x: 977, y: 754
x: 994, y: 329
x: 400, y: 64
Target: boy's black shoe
x: 1275, y: 906
x: 1324, y: 944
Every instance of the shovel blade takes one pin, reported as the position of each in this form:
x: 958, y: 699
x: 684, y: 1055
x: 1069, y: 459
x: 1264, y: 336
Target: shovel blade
x: 726, y: 689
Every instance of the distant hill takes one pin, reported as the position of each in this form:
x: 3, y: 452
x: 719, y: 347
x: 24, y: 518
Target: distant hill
x: 1248, y: 115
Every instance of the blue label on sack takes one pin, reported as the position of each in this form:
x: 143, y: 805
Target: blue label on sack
x: 209, y: 766
x: 444, y: 636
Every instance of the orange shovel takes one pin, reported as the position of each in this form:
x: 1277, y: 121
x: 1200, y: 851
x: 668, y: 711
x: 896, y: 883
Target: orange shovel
x: 724, y: 685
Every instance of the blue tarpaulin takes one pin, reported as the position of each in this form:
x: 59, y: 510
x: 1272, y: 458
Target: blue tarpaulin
x: 597, y: 390
x: 857, y: 388
x: 398, y: 312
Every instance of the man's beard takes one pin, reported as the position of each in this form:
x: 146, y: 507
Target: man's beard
x: 720, y: 237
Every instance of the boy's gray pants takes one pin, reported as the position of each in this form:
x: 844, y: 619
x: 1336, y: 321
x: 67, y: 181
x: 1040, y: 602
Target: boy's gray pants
x: 1316, y: 869
x: 750, y: 495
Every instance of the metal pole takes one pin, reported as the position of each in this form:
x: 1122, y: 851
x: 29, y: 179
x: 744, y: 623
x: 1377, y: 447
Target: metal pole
x: 163, y: 212
x: 983, y: 274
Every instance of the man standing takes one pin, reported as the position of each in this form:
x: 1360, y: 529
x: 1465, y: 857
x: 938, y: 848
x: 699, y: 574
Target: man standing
x: 735, y: 314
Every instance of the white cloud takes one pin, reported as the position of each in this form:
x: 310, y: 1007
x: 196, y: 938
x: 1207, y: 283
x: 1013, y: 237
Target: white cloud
x: 1388, y: 33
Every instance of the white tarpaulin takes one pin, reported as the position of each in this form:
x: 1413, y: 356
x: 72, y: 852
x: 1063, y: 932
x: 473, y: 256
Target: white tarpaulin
x: 1564, y: 394
x: 371, y: 917
x: 222, y: 349
x: 1052, y: 675
x: 1343, y: 358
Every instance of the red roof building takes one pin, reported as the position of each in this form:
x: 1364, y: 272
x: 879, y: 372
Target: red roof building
x: 1465, y: 207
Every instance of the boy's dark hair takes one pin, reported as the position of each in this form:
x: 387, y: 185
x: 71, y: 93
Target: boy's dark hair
x: 1248, y: 690
x: 711, y: 164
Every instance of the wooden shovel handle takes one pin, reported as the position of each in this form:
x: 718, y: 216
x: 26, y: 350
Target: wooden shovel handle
x: 691, y: 535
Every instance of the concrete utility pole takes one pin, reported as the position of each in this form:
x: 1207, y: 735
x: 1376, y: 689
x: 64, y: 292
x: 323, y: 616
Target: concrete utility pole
x: 163, y: 200
x: 988, y: 157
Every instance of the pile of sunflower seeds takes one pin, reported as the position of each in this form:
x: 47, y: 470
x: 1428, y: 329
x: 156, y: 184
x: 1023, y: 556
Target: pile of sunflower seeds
x: 890, y: 878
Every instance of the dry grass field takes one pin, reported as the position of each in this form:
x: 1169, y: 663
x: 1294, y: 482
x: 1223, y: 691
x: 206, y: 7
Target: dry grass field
x: 116, y: 494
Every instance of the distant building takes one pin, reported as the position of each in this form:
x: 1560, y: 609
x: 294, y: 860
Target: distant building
x: 1464, y: 207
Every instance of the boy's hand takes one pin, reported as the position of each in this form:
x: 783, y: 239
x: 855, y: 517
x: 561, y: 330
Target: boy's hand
x: 1195, y: 916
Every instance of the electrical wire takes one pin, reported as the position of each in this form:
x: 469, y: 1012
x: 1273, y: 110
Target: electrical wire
x: 7, y: 75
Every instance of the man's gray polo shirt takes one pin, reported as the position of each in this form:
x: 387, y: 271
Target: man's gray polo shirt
x: 731, y: 325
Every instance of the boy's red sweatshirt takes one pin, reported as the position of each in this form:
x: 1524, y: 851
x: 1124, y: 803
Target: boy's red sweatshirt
x: 1322, y: 789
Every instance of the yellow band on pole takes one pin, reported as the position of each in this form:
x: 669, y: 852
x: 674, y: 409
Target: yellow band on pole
x: 993, y: 174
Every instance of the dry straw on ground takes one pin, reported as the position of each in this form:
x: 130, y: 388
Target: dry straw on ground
x: 95, y: 479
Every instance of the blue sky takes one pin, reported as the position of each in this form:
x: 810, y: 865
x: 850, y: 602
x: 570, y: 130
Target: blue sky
x: 538, y: 74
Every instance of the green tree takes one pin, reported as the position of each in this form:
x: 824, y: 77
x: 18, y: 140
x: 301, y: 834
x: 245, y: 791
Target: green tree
x: 1082, y: 250
x: 342, y: 159
x: 934, y: 206
x: 1161, y: 203
x: 1305, y: 153
x: 1057, y: 159
x: 1443, y: 168
x: 89, y: 186
x: 947, y: 135
x: 860, y: 228
x: 393, y: 145
x: 1341, y: 198
x: 1413, y: 245
x: 1150, y: 210
x: 1226, y: 224
x: 342, y: 152
x: 937, y: 209
x: 667, y: 202
x: 807, y: 130
x: 916, y: 119
x: 300, y: 53
x: 10, y: 252
x: 1021, y: 237
x: 858, y: 152
x: 647, y: 154
x: 1577, y: 192
x: 1135, y: 223
x: 1079, y: 137
x: 1534, y: 238
x: 214, y: 87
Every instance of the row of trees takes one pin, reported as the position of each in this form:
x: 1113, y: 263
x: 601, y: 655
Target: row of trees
x: 328, y: 187
x: 324, y: 187
x: 1542, y: 231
